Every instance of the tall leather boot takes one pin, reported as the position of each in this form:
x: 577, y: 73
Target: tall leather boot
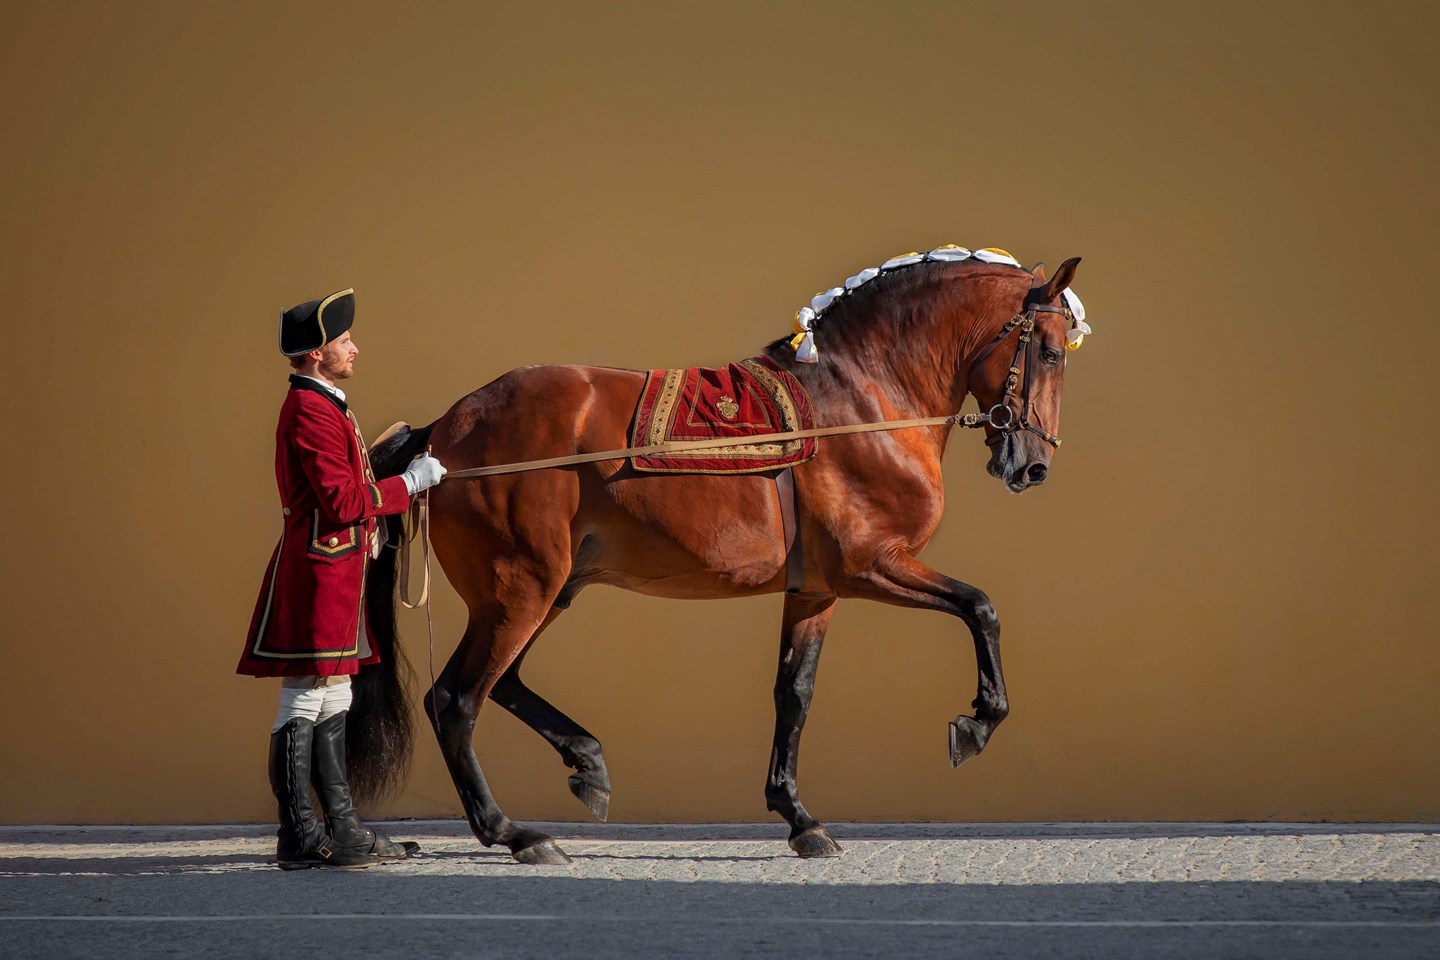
x: 301, y: 837
x: 348, y: 836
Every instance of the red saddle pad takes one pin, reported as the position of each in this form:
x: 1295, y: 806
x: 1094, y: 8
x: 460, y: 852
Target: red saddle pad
x: 740, y: 399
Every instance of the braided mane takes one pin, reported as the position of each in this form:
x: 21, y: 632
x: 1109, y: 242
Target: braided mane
x: 886, y: 286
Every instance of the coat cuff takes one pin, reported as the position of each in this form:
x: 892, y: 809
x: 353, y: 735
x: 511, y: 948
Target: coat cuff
x: 388, y: 496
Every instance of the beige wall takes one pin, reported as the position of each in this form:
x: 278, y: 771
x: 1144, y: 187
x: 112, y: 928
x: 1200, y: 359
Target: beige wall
x: 1220, y: 606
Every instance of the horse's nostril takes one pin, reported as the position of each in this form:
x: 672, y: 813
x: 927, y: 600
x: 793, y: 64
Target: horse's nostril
x: 1036, y: 473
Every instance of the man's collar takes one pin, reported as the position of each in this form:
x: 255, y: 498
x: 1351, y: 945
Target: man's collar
x: 333, y: 394
x: 327, y: 386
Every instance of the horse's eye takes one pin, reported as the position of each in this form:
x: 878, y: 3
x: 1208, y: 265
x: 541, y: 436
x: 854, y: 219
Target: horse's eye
x: 1051, y: 357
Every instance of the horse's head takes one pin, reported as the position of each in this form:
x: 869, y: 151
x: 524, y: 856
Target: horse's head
x: 1018, y: 377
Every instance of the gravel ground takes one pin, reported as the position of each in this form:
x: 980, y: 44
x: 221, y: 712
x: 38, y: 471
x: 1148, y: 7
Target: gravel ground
x: 913, y: 890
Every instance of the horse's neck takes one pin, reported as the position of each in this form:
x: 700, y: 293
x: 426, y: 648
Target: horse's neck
x: 916, y: 351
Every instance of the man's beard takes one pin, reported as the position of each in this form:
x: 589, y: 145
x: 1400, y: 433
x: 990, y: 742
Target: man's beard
x: 336, y: 369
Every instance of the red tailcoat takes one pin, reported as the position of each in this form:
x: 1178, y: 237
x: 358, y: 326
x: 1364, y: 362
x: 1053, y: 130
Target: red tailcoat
x: 308, y: 620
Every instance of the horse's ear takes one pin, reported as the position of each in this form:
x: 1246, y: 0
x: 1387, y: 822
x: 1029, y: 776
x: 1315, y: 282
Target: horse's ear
x: 1062, y: 278
x: 1038, y: 272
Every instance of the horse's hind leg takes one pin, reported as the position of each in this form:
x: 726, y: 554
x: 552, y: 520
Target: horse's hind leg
x: 801, y: 635
x: 577, y: 747
x: 494, y: 638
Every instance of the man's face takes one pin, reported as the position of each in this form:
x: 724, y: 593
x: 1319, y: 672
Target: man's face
x: 338, y: 357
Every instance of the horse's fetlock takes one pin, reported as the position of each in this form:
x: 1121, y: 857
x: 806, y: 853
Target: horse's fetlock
x: 991, y: 707
x: 779, y: 794
x: 780, y: 803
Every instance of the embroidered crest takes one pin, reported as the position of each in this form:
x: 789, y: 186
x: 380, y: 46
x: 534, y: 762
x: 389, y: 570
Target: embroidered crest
x: 727, y: 406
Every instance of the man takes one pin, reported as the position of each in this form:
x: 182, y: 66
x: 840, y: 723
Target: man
x: 308, y: 626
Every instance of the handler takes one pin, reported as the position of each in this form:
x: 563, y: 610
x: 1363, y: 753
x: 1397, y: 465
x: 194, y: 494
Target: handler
x: 309, y: 625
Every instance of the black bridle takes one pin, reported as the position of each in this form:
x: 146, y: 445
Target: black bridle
x: 1025, y: 323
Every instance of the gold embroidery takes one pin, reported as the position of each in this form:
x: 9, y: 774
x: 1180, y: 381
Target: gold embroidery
x: 668, y: 395
x: 368, y: 470
x: 320, y: 311
x: 727, y: 406
x: 789, y: 415
x: 665, y: 404
x: 333, y: 547
x: 360, y: 611
x: 265, y: 623
x: 269, y: 595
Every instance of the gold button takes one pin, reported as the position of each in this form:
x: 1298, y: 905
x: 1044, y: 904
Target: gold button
x: 334, y: 541
x: 287, y: 511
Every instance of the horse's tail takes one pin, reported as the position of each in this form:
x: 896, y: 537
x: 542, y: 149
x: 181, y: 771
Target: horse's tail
x: 380, y: 734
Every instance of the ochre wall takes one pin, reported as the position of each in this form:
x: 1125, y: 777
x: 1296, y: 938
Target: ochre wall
x: 1221, y: 605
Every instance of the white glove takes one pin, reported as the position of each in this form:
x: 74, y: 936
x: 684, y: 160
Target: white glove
x: 422, y: 474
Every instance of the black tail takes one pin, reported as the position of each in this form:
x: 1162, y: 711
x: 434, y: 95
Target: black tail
x: 380, y: 733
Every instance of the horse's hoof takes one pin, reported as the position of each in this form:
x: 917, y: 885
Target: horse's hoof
x: 596, y: 799
x: 815, y: 842
x: 967, y: 738
x: 543, y: 854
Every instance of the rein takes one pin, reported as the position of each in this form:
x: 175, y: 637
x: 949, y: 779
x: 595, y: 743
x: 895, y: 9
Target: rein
x: 419, y: 517
x: 676, y: 446
x: 1025, y: 322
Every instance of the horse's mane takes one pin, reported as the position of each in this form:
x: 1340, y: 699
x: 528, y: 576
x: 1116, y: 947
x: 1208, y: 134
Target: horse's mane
x: 882, y: 294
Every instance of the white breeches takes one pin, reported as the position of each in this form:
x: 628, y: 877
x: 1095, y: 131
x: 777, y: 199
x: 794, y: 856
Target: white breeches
x: 312, y: 698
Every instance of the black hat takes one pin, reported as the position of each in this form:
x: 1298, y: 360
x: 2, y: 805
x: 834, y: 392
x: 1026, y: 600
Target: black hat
x: 314, y: 323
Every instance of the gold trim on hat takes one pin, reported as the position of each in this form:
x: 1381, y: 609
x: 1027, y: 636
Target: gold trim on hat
x: 320, y: 311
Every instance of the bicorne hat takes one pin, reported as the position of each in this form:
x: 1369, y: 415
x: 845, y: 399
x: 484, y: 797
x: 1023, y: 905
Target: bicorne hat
x: 314, y: 323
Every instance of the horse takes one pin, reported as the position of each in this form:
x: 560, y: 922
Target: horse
x: 519, y: 547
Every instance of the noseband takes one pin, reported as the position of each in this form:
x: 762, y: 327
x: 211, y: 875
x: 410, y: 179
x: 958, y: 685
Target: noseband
x: 1002, y: 416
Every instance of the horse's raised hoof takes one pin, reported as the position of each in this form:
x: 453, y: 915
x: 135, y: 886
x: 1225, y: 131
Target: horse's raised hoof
x: 967, y: 738
x: 815, y: 842
x: 595, y: 798
x: 545, y: 853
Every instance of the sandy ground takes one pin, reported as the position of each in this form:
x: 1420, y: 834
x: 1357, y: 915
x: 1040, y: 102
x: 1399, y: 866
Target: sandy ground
x: 911, y: 890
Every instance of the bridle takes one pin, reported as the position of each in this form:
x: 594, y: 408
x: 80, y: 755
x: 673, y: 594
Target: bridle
x: 1025, y: 323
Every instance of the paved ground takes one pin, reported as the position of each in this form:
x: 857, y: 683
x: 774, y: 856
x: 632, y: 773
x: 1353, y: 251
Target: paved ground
x: 992, y: 891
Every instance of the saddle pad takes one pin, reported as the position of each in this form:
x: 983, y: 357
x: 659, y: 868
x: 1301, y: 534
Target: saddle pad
x: 740, y: 399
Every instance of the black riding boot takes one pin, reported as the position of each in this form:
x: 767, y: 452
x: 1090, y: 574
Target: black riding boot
x: 302, y: 841
x: 348, y: 836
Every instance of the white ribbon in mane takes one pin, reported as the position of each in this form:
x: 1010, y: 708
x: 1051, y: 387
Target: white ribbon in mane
x: 803, y: 343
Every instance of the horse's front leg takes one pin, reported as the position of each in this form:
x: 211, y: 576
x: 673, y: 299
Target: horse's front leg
x: 801, y: 635
x: 903, y: 580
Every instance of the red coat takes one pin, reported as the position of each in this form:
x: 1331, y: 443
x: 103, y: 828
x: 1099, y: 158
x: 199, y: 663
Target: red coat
x: 308, y: 621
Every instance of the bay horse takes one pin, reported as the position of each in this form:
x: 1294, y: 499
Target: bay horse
x: 518, y: 548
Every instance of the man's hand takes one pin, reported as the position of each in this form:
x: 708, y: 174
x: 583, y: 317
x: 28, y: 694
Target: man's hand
x: 423, y: 473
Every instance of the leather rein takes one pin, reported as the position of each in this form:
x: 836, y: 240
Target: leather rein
x: 1024, y: 322
x: 1013, y: 423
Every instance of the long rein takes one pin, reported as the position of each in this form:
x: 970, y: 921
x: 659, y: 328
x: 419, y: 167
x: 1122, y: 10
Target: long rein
x: 420, y: 506
x: 1024, y: 322
x: 681, y: 446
